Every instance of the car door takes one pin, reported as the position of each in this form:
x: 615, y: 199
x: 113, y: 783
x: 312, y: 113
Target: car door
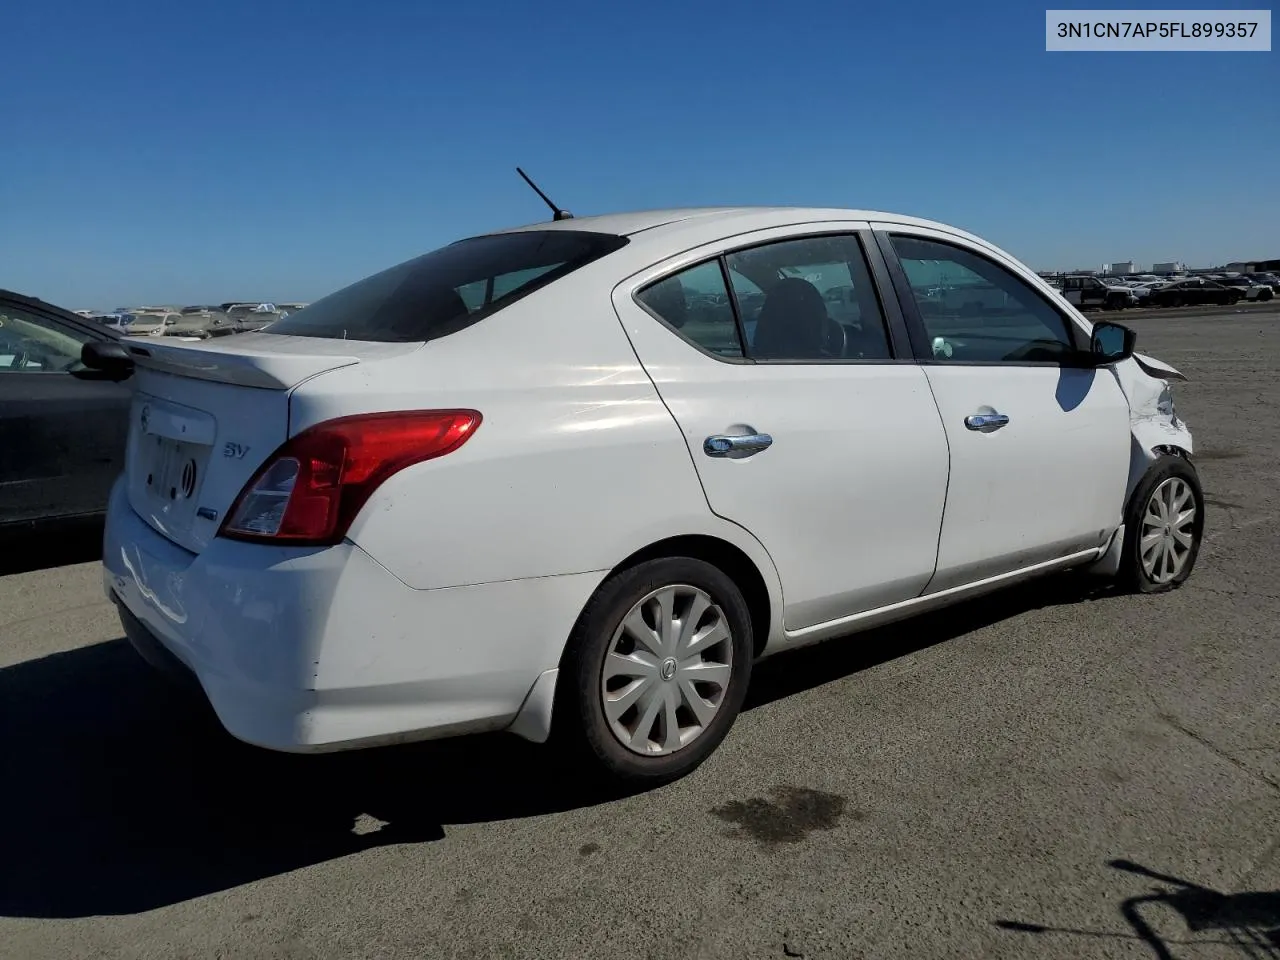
x: 1181, y: 293
x: 62, y: 429
x: 1095, y: 292
x: 808, y: 422
x: 1039, y: 447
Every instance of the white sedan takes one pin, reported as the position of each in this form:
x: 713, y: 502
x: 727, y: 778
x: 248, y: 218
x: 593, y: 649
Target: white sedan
x: 574, y: 478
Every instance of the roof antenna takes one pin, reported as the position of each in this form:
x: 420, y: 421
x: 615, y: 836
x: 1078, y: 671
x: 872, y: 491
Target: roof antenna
x: 557, y: 213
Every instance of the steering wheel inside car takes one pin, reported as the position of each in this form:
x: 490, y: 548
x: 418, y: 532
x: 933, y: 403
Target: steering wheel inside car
x: 839, y: 334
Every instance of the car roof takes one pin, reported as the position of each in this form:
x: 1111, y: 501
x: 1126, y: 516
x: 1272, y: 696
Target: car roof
x: 726, y: 220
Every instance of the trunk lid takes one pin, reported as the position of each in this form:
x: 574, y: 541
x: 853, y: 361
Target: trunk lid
x: 206, y: 415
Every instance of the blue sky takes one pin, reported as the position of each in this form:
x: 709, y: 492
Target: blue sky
x: 197, y: 152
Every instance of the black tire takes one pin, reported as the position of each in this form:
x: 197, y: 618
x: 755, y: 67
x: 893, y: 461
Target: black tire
x: 1132, y: 575
x: 580, y: 726
x: 1175, y: 301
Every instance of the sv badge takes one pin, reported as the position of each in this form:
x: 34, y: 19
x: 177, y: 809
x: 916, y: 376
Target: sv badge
x: 235, y: 451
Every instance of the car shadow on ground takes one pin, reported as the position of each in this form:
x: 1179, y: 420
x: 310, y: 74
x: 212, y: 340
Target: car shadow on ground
x: 789, y: 673
x: 123, y: 794
x: 58, y: 545
x: 1248, y: 921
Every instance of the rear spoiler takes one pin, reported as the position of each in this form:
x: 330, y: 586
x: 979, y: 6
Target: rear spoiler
x: 245, y: 367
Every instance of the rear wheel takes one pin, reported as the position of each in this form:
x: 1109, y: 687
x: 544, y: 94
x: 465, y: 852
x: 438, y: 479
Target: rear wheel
x: 656, y: 670
x: 1164, y: 526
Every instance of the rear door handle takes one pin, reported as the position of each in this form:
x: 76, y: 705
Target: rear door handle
x: 986, y: 422
x: 720, y: 445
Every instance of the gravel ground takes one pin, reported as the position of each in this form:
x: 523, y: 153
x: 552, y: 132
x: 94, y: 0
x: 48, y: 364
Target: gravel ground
x: 1051, y: 772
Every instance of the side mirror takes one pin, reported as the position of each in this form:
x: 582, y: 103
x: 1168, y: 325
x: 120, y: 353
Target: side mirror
x: 1111, y: 342
x: 108, y: 359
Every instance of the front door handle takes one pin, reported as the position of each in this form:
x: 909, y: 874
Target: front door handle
x: 720, y: 445
x: 986, y: 422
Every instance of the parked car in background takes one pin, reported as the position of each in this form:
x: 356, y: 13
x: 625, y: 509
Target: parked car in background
x: 151, y: 324
x: 1251, y: 289
x: 592, y: 470
x: 1270, y: 279
x: 1194, y: 291
x: 120, y: 322
x: 1143, y: 290
x: 255, y: 321
x: 200, y: 324
x: 250, y: 317
x: 62, y: 424
x: 1092, y: 293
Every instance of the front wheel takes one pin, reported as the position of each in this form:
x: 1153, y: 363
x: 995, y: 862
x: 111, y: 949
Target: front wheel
x: 1164, y: 526
x: 656, y: 670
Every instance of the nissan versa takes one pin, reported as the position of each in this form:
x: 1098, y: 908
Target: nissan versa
x: 574, y: 478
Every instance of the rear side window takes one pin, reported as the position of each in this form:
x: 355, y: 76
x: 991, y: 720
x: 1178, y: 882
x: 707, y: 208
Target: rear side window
x: 696, y: 303
x: 448, y: 289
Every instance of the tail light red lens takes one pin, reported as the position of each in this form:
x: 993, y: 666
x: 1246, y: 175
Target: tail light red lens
x: 310, y: 490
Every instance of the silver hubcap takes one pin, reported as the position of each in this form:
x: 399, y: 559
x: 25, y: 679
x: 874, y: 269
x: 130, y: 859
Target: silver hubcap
x: 667, y: 670
x: 1168, y: 530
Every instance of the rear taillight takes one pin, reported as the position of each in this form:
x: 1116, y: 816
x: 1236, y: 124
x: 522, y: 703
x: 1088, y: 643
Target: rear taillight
x: 310, y: 490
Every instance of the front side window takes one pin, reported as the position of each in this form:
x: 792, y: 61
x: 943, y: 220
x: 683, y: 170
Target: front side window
x: 31, y: 343
x: 982, y: 313
x: 448, y: 289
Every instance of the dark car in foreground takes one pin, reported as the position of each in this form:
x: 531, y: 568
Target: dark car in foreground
x: 63, y: 425
x: 1194, y: 291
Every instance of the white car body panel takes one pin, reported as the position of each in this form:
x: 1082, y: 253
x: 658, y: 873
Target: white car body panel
x: 858, y: 457
x: 1066, y: 442
x: 1157, y: 368
x: 447, y: 607
x: 574, y: 438
x: 1154, y: 425
x: 302, y: 650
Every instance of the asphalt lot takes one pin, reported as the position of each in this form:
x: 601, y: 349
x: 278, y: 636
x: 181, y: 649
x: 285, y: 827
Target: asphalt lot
x: 1053, y: 772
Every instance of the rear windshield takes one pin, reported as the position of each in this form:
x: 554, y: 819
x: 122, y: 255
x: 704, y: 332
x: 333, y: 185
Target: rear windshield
x: 443, y: 291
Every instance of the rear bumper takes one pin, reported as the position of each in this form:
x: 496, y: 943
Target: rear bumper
x: 307, y: 649
x: 150, y: 649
